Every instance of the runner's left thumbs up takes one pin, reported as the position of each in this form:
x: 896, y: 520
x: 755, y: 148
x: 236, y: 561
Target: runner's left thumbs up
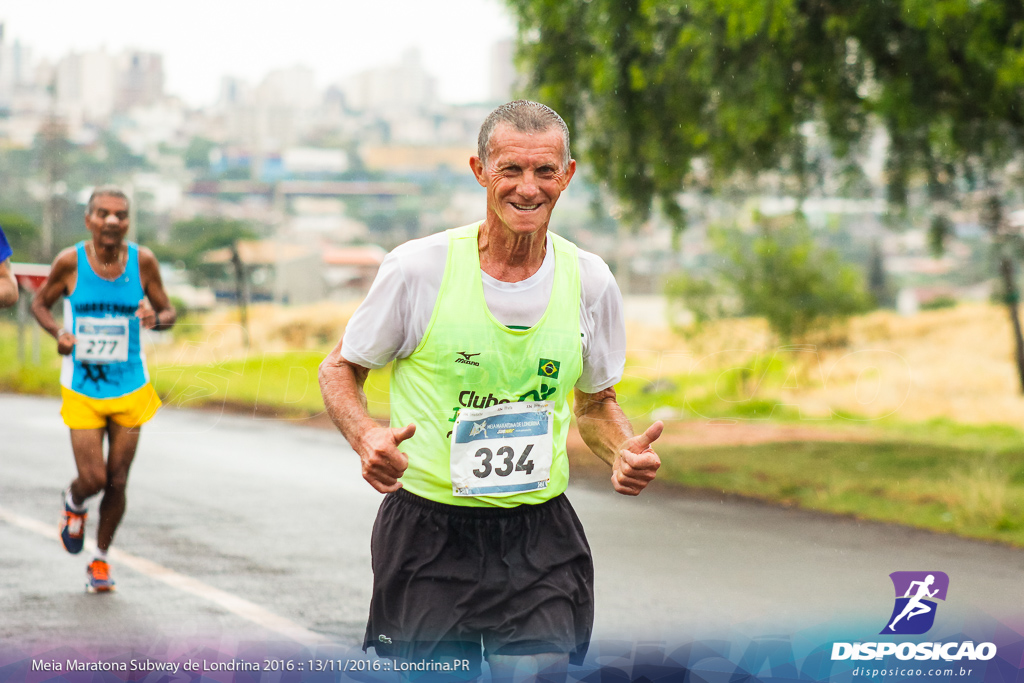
x: 637, y: 464
x: 404, y: 433
x: 642, y: 442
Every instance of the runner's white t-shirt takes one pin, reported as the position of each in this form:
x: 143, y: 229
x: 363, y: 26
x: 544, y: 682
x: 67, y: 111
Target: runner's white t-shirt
x: 391, y: 321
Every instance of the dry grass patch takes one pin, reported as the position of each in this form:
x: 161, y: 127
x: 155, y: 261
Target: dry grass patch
x: 953, y: 363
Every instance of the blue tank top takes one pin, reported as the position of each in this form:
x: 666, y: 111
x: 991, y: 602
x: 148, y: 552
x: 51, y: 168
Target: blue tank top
x: 107, y: 361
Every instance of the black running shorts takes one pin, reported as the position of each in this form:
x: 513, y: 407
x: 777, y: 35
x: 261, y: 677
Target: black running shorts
x: 448, y: 579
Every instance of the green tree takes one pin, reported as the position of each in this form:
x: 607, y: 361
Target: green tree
x: 669, y: 94
x: 197, y: 154
x: 947, y: 82
x: 696, y: 296
x: 22, y: 234
x: 782, y: 275
x: 192, y: 238
x: 666, y: 94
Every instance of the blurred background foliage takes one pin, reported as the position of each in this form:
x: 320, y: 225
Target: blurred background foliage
x: 664, y: 96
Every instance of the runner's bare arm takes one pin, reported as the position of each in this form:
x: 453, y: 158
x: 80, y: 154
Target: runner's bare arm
x: 8, y: 285
x: 153, y: 286
x: 607, y: 433
x: 60, y: 282
x: 341, y: 384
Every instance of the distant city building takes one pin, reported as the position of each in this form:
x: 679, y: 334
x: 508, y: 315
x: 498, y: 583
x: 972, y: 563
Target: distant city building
x: 86, y: 86
x: 294, y: 87
x: 271, y: 116
x: 140, y: 79
x: 416, y: 159
x: 233, y: 91
x: 405, y: 86
x: 279, y: 272
x: 23, y: 96
x: 349, y: 271
x: 310, y: 161
x: 15, y: 70
x: 91, y: 86
x: 504, y: 78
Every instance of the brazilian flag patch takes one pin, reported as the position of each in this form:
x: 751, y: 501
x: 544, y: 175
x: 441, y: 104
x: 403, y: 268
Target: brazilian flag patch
x: 548, y: 368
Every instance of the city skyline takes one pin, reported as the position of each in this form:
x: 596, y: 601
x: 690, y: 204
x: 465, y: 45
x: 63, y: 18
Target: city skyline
x: 335, y: 40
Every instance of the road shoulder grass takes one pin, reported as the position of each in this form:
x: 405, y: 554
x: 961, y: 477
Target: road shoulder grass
x: 964, y: 491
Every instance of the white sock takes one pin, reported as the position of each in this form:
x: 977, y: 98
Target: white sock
x: 71, y: 502
x: 100, y: 555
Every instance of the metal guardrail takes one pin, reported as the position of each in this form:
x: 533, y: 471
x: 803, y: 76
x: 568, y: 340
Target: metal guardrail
x: 30, y: 277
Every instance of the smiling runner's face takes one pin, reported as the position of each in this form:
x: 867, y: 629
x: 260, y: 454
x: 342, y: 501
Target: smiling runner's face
x: 108, y: 221
x: 524, y: 176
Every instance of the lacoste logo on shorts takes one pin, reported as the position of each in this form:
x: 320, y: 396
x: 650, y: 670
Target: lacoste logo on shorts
x: 467, y: 358
x: 384, y: 639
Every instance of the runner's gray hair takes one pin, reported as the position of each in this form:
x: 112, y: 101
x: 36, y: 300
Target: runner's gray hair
x: 106, y: 191
x: 525, y: 117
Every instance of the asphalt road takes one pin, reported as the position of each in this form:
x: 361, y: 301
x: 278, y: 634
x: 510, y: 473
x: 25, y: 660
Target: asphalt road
x: 252, y: 530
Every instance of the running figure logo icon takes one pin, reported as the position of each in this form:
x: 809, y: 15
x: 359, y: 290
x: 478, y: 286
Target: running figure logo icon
x: 914, y: 611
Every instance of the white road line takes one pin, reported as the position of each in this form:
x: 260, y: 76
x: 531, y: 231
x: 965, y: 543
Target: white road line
x: 232, y: 603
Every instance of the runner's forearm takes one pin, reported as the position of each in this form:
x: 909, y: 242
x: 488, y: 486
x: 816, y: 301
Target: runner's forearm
x: 44, y: 317
x: 602, y: 423
x: 341, y: 384
x: 8, y: 285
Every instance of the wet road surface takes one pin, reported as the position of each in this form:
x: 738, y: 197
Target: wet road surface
x: 245, y: 529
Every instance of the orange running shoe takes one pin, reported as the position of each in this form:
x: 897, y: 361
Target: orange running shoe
x: 72, y: 527
x: 99, y: 581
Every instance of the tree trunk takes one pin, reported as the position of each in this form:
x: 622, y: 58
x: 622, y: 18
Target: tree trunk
x: 1012, y: 298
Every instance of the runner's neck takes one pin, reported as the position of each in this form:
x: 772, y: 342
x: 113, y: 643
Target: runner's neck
x: 105, y: 261
x: 510, y: 258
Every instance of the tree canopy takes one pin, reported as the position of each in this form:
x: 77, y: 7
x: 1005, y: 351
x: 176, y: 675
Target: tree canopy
x: 673, y: 94
x: 667, y: 94
x: 670, y: 94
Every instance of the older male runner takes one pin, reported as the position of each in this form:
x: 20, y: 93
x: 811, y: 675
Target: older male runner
x: 104, y: 381
x: 8, y: 284
x: 490, y: 326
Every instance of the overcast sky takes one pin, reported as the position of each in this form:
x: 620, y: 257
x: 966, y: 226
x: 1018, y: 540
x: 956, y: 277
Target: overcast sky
x: 202, y: 40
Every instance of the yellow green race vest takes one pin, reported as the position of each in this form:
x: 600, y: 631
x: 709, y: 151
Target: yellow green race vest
x: 467, y: 359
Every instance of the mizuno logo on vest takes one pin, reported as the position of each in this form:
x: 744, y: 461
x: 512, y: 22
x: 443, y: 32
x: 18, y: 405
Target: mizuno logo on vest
x: 466, y: 358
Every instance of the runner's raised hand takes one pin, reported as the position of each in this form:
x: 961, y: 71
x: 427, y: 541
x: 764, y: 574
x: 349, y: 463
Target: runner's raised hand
x: 637, y: 463
x: 383, y: 463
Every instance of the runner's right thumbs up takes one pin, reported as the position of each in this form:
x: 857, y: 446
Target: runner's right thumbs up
x: 383, y: 463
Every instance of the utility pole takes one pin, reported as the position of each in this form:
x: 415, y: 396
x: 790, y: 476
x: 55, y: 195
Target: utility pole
x: 52, y: 133
x: 133, y: 212
x: 240, y: 291
x: 54, y: 137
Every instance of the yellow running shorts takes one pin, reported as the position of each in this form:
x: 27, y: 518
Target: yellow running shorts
x: 130, y: 410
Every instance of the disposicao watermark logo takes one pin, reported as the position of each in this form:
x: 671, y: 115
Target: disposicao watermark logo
x: 916, y: 592
x: 914, y: 614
